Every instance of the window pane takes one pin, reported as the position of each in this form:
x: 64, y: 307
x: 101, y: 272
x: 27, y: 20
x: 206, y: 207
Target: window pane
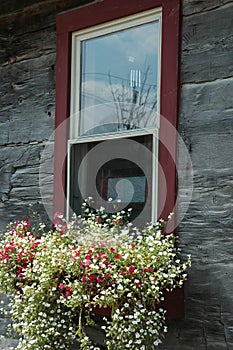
x: 118, y: 179
x: 119, y: 75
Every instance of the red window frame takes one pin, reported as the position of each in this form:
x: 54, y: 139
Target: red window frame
x: 98, y: 13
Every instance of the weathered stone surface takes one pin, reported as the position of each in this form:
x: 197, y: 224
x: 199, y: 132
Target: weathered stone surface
x: 34, y: 16
x: 8, y: 344
x: 206, y: 127
x: 19, y: 170
x: 30, y: 115
x: 191, y: 7
x: 207, y: 106
x: 207, y: 45
x: 4, y: 325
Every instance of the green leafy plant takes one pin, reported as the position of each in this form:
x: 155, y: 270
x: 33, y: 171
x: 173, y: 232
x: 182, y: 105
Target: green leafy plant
x: 59, y: 279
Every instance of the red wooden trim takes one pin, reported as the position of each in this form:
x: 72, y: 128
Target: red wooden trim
x: 169, y: 100
x: 62, y: 113
x: 100, y: 12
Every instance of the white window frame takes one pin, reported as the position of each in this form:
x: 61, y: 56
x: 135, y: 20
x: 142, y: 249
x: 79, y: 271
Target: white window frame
x: 74, y: 138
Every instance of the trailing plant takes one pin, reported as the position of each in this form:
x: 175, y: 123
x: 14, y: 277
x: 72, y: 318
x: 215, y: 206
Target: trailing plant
x: 58, y: 279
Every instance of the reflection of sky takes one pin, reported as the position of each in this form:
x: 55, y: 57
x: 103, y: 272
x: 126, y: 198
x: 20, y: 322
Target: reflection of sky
x: 114, y: 53
x: 112, y: 57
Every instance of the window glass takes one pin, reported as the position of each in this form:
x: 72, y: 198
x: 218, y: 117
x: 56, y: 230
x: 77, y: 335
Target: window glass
x: 119, y: 80
x: 120, y: 180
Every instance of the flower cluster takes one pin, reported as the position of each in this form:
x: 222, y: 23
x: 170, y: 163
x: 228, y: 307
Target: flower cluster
x: 127, y: 330
x: 61, y: 278
x: 17, y: 254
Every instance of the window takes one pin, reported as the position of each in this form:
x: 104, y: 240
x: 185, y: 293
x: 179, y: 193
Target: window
x: 100, y: 92
x: 115, y: 87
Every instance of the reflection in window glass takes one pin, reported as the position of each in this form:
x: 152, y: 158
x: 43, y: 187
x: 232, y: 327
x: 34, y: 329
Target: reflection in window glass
x: 119, y: 75
x: 119, y: 179
x: 128, y: 189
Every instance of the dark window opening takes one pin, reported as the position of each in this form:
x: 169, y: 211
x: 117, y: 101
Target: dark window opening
x: 117, y: 182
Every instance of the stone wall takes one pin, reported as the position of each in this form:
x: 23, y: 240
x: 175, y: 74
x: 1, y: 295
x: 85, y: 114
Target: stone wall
x: 27, y: 90
x: 206, y: 125
x: 27, y: 95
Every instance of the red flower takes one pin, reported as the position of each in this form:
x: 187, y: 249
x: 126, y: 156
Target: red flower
x: 81, y: 264
x: 3, y: 256
x: 131, y: 270
x: 99, y: 279
x: 75, y: 257
x: 138, y: 284
x: 34, y: 245
x: 31, y: 257
x: 88, y: 260
x: 92, y: 278
x: 116, y: 222
x: 112, y: 250
x: 148, y: 269
x: 20, y: 255
x: 26, y: 224
x: 24, y: 262
x: 102, y: 255
x: 84, y: 280
x: 68, y: 292
x: 133, y: 245
x: 20, y: 271
x: 123, y: 272
x: 61, y: 286
x: 117, y: 256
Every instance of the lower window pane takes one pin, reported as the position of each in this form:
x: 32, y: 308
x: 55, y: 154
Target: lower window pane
x: 114, y: 180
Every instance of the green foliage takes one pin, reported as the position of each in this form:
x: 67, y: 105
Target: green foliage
x: 58, y: 278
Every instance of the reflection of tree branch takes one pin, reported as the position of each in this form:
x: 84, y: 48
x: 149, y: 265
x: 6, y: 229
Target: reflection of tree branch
x: 131, y: 110
x: 143, y: 85
x: 114, y: 98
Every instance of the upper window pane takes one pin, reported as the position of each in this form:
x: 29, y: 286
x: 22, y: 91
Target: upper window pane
x: 119, y: 76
